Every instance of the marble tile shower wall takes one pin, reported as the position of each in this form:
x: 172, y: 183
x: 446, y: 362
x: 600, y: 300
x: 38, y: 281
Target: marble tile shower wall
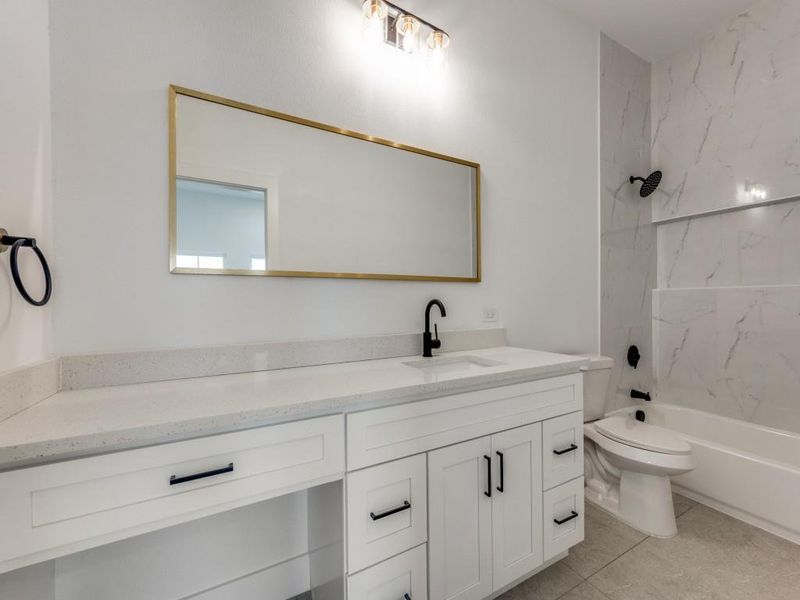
x: 627, y: 237
x: 726, y: 114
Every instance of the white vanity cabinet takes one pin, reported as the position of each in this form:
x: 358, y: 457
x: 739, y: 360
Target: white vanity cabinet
x: 502, y: 465
x: 454, y: 497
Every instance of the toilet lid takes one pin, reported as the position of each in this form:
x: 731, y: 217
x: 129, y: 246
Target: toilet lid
x: 634, y: 433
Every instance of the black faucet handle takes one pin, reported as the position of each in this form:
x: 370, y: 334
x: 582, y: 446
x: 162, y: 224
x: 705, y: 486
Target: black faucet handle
x: 436, y: 342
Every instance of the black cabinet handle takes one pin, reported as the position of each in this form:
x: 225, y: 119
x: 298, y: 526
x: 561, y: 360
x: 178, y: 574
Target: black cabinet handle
x: 572, y: 448
x: 406, y: 597
x: 488, y: 492
x: 502, y: 478
x: 393, y: 511
x: 574, y: 515
x: 174, y: 480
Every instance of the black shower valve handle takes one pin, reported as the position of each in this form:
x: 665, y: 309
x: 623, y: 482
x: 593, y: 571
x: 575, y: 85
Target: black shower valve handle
x: 634, y: 356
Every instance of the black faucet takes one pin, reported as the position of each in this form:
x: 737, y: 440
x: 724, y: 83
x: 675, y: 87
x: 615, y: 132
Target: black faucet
x: 640, y: 395
x: 429, y: 342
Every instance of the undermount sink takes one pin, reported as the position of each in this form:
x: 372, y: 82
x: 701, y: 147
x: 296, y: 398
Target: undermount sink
x: 453, y: 364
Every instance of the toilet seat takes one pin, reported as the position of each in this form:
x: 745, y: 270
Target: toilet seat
x: 625, y: 430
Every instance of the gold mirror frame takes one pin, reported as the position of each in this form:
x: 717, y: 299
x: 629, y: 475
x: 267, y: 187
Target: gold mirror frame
x: 175, y: 91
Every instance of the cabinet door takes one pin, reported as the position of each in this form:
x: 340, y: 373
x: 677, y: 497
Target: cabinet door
x: 516, y: 503
x: 459, y: 521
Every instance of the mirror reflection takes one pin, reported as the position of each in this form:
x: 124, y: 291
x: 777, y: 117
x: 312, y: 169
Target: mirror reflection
x: 258, y: 192
x: 235, y: 215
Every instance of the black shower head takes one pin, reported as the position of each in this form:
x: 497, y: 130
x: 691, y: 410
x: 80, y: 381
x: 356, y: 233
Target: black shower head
x: 650, y: 184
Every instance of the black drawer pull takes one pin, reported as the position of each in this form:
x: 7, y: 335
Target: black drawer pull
x: 574, y: 515
x: 174, y: 479
x: 488, y: 492
x: 572, y: 448
x: 406, y: 597
x: 393, y: 511
x: 502, y: 477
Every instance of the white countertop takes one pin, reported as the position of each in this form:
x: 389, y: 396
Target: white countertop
x: 84, y: 422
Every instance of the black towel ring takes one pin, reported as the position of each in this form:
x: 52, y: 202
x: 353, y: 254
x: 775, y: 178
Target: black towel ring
x: 15, y: 243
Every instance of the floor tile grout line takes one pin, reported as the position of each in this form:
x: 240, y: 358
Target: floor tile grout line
x: 640, y: 542
x: 581, y: 582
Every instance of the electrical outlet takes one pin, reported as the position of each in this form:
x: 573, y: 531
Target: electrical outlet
x: 490, y: 315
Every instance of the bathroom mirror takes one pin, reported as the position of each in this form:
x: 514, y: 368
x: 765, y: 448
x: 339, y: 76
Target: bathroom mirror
x: 256, y: 192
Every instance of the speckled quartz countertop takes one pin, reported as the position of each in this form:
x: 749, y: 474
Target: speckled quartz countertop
x: 84, y: 422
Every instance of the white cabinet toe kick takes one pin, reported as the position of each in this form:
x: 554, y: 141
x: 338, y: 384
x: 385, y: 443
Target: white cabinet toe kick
x: 456, y: 497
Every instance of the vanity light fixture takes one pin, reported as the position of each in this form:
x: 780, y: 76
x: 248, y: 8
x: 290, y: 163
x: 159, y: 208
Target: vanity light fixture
x: 402, y: 29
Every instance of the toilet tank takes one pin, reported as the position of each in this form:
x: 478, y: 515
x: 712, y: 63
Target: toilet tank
x: 596, y: 377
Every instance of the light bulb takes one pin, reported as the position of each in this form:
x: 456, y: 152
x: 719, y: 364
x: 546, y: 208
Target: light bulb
x: 438, y: 41
x: 375, y: 10
x: 374, y: 24
x: 407, y: 33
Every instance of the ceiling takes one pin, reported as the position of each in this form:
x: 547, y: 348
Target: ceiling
x: 654, y: 29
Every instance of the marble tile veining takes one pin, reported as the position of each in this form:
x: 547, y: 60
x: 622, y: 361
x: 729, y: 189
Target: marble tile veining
x: 758, y: 246
x: 726, y: 322
x: 627, y: 238
x: 731, y: 351
x: 725, y: 113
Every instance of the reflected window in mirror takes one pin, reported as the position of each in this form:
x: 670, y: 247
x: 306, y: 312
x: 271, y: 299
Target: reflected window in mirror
x: 220, y: 226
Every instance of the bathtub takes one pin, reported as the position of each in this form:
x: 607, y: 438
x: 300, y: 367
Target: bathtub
x: 748, y: 471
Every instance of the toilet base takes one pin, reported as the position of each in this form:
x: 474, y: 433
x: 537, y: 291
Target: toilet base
x: 642, y: 501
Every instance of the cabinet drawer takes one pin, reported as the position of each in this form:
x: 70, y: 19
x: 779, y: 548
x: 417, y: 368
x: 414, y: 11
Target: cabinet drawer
x: 57, y: 509
x: 562, y: 449
x: 404, y: 577
x: 387, y: 511
x: 564, y: 504
x: 384, y: 434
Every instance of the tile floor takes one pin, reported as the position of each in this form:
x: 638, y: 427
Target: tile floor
x: 713, y: 557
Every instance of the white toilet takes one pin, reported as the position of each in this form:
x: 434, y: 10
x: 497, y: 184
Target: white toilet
x: 628, y: 463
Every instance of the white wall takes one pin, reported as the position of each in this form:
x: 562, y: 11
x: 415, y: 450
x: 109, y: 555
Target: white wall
x: 25, y: 331
x: 520, y: 97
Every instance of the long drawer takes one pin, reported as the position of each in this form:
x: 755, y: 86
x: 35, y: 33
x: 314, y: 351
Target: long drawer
x: 57, y: 509
x: 384, y: 434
